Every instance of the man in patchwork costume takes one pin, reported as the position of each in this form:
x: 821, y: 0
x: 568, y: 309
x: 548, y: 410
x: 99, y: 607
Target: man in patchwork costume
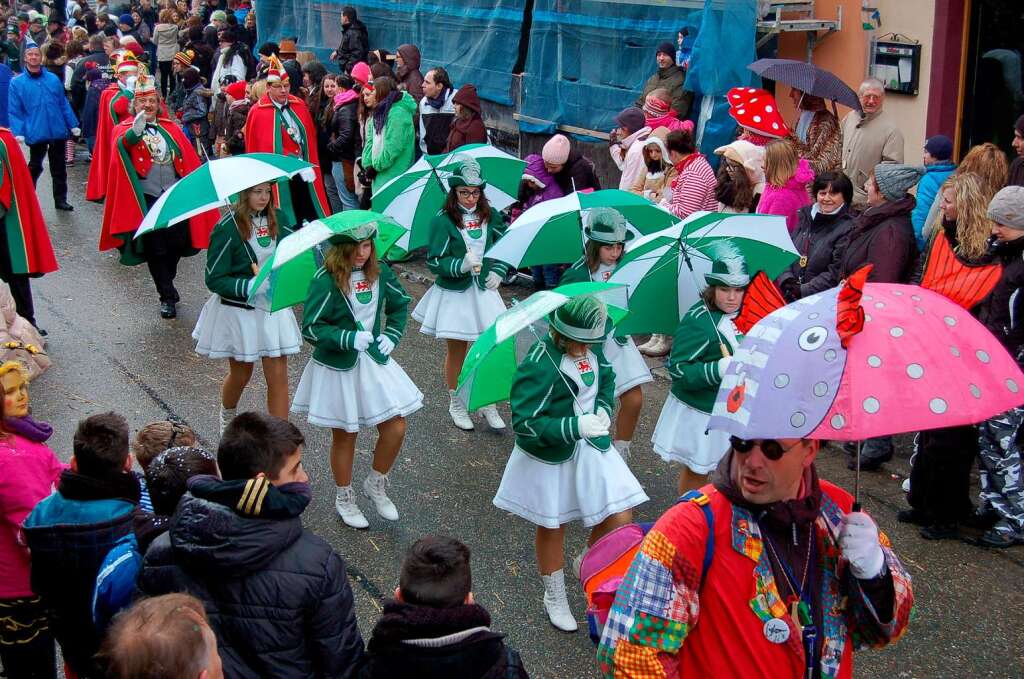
x: 148, y: 154
x: 280, y: 123
x: 787, y: 582
x: 114, y: 108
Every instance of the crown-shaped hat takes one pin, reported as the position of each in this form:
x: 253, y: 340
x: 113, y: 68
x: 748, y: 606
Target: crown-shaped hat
x: 276, y: 72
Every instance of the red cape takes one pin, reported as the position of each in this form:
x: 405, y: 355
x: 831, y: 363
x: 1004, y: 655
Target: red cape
x: 125, y: 205
x: 28, y: 240
x: 263, y: 135
x: 107, y: 117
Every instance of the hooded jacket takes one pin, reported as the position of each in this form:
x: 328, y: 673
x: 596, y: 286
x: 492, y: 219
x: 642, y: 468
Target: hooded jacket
x: 467, y: 130
x: 409, y: 77
x: 578, y: 174
x: 392, y: 150
x: 882, y: 236
x: 436, y: 122
x: 535, y: 168
x: 345, y: 126
x: 1002, y: 310
x: 652, y: 185
x: 627, y: 154
x: 787, y: 200
x: 276, y: 595
x: 927, y: 191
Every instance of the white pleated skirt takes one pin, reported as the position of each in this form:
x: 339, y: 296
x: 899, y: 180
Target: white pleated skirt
x: 630, y: 368
x: 246, y: 335
x: 679, y: 437
x: 457, y: 314
x: 363, y: 396
x: 589, y: 487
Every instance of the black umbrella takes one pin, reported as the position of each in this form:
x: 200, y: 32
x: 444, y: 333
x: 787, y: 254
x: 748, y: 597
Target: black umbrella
x: 807, y: 78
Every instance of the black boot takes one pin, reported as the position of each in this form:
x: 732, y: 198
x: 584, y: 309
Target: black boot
x: 63, y: 205
x: 167, y: 310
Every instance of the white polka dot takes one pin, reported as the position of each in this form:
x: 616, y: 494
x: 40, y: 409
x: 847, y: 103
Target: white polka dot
x: 897, y: 293
x: 950, y: 321
x: 871, y: 405
x: 812, y: 316
x: 915, y: 371
x: 775, y: 126
x: 896, y: 331
x: 768, y: 109
x: 874, y: 361
x: 982, y: 356
x: 879, y: 305
x: 751, y: 90
x: 867, y: 318
x: 741, y: 111
x: 975, y: 391
x: 867, y: 298
x: 756, y: 119
x: 753, y: 100
x: 837, y: 422
x: 830, y: 355
x: 820, y: 389
x: 937, y: 406
x: 798, y: 419
x: 954, y: 351
x: 782, y: 380
x: 919, y: 310
x: 1012, y: 386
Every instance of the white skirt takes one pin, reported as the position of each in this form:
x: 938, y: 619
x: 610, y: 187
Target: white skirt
x: 246, y: 335
x: 590, y: 486
x: 630, y: 368
x: 457, y: 314
x: 363, y: 396
x: 679, y: 437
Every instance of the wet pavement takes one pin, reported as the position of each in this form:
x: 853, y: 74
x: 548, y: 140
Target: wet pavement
x: 111, y: 351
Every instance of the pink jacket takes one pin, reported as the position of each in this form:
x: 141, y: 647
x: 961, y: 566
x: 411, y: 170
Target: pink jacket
x: 787, y: 200
x: 28, y: 473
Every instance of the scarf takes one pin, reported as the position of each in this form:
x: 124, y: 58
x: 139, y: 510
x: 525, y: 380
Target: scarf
x: 119, y: 486
x: 28, y: 428
x: 342, y: 98
x: 254, y: 498
x: 380, y: 111
x: 438, y: 101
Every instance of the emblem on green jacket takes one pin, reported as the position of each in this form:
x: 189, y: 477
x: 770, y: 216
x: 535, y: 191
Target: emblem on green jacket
x: 263, y: 236
x: 364, y: 293
x: 586, y: 371
x: 475, y: 232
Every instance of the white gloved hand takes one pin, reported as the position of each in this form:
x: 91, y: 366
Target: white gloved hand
x: 492, y: 281
x: 384, y: 345
x: 858, y: 541
x: 606, y: 418
x: 20, y: 139
x: 308, y: 175
x: 469, y: 262
x: 723, y: 364
x: 139, y: 124
x: 76, y: 131
x: 362, y: 340
x: 592, y: 425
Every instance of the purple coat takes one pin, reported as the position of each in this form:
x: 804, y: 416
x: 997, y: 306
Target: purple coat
x: 535, y: 168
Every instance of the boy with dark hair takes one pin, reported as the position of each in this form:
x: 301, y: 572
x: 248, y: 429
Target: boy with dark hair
x: 70, y: 532
x: 278, y: 599
x: 433, y: 628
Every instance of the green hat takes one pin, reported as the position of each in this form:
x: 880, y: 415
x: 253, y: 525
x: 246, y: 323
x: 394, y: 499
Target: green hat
x: 582, y: 319
x: 606, y: 225
x: 467, y: 173
x: 729, y: 271
x: 356, y: 234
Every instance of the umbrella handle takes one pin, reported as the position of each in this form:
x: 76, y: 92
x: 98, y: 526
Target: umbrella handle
x: 725, y: 350
x: 856, y: 481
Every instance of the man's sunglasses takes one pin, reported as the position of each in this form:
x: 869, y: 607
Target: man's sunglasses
x: 770, y: 448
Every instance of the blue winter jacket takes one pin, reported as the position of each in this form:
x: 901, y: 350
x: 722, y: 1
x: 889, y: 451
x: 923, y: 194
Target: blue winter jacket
x: 6, y: 75
x: 38, y: 109
x: 927, y: 191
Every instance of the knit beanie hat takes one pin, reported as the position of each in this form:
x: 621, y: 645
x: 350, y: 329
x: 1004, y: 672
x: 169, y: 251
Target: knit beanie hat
x: 185, y: 58
x: 667, y: 48
x: 361, y: 73
x: 218, y: 15
x: 656, y: 105
x: 556, y: 150
x: 1007, y: 207
x: 235, y: 90
x: 940, y: 147
x: 631, y: 118
x: 126, y: 19
x: 895, y: 179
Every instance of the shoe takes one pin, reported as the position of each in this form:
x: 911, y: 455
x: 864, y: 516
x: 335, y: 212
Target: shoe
x: 348, y: 510
x: 998, y: 539
x: 556, y: 605
x: 42, y: 333
x: 658, y: 345
x: 914, y: 516
x: 905, y: 485
x: 375, y: 487
x: 457, y: 410
x: 623, y: 448
x: 981, y: 520
x: 490, y: 414
x: 63, y: 205
x: 850, y: 447
x: 577, y: 563
x: 226, y: 415
x: 869, y: 464
x: 167, y: 310
x: 940, y: 531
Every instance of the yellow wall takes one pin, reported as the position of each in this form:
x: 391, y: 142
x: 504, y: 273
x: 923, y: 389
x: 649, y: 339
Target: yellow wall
x: 845, y: 53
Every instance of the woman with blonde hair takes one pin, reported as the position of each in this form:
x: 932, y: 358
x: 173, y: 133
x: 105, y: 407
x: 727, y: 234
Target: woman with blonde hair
x: 988, y: 162
x: 786, y: 177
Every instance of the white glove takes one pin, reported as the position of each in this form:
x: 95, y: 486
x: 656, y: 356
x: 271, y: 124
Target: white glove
x: 723, y: 364
x: 139, y: 124
x: 384, y: 345
x: 362, y: 340
x: 858, y: 541
x: 76, y: 131
x: 20, y: 139
x: 492, y: 281
x: 606, y: 418
x: 469, y: 262
x: 592, y: 425
x: 308, y: 175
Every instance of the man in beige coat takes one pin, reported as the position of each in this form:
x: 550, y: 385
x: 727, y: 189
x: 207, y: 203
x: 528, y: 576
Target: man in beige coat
x: 869, y: 138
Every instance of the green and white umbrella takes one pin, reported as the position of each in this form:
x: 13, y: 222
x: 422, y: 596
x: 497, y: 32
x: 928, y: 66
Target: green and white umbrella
x: 414, y: 197
x: 552, y: 232
x: 284, y: 278
x: 213, y: 184
x: 490, y: 366
x: 677, y: 259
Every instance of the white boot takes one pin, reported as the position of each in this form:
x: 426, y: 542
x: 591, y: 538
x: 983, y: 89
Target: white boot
x: 658, y: 345
x: 494, y: 420
x: 577, y: 563
x: 623, y: 448
x: 458, y: 412
x: 348, y: 510
x: 375, y: 487
x: 226, y: 415
x: 556, y: 604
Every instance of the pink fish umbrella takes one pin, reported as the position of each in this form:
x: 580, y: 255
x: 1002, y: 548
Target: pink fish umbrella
x: 859, y: 361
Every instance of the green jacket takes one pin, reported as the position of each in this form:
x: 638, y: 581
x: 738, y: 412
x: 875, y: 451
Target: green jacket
x: 328, y: 323
x: 693, y: 363
x: 396, y: 151
x: 543, y: 419
x: 579, y: 272
x: 229, y: 259
x: 446, y: 250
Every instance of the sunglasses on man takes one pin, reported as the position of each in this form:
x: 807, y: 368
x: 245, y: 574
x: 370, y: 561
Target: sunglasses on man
x: 770, y: 448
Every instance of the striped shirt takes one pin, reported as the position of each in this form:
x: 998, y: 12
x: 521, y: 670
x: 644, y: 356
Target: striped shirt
x: 694, y: 188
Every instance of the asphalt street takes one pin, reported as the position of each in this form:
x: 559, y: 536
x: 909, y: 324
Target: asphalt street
x: 111, y: 351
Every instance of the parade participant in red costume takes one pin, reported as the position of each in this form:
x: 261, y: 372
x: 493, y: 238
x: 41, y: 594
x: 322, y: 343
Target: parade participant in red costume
x: 280, y: 123
x: 147, y: 155
x: 113, y: 110
x: 25, y: 248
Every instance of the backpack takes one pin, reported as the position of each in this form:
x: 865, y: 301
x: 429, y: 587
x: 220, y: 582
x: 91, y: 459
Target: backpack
x: 605, y: 564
